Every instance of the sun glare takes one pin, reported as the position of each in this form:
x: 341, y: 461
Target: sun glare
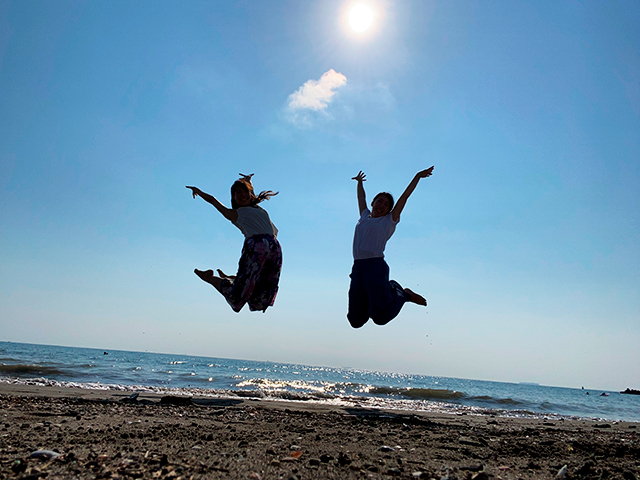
x: 360, y: 17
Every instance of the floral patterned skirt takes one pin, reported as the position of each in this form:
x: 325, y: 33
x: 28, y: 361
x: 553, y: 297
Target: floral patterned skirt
x: 256, y: 282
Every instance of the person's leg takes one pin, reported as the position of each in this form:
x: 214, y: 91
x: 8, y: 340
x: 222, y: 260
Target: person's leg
x: 415, y: 298
x: 358, y: 313
x: 221, y: 274
x: 209, y: 277
x: 266, y: 286
x: 238, y: 291
x: 388, y: 294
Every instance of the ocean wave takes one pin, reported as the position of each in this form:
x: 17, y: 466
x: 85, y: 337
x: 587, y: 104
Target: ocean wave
x: 346, y: 401
x: 271, y: 385
x: 198, y: 379
x: 86, y: 365
x: 419, y: 393
x: 22, y: 369
x: 499, y: 401
x: 291, y: 389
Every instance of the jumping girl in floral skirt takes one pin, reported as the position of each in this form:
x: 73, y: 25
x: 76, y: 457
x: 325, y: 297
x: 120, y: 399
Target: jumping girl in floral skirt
x: 256, y: 282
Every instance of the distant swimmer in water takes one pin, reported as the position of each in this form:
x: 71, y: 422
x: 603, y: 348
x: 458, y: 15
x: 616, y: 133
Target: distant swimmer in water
x: 371, y: 293
x: 256, y: 282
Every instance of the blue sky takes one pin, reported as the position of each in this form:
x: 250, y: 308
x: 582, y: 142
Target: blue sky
x: 525, y: 241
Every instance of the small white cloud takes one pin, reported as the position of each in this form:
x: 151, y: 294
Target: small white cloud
x: 358, y: 108
x: 316, y: 94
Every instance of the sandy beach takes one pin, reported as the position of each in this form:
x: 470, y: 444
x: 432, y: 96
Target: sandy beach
x: 73, y: 433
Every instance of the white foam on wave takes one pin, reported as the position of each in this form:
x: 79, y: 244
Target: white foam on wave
x: 344, y: 401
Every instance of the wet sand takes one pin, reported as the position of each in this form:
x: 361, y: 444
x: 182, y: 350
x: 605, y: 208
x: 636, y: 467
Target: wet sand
x: 73, y: 433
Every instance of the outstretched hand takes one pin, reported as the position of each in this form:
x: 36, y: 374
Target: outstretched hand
x: 195, y: 191
x: 425, y: 173
x: 361, y: 177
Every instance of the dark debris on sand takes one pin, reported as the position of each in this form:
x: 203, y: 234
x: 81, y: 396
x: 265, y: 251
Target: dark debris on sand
x: 176, y: 438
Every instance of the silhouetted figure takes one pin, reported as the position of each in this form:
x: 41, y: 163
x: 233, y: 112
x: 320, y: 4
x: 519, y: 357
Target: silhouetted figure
x: 256, y: 281
x: 371, y: 293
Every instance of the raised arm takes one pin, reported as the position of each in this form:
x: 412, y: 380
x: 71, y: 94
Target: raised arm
x: 362, y: 199
x: 228, y: 213
x: 397, y: 209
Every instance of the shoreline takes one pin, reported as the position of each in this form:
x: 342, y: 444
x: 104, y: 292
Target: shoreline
x: 110, y: 434
x: 433, y: 406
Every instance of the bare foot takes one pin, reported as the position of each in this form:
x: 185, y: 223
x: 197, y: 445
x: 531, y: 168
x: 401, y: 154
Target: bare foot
x: 224, y: 275
x: 205, y: 275
x: 415, y: 298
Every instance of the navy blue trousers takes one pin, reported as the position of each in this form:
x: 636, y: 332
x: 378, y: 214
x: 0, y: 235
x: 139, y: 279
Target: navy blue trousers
x: 372, y: 295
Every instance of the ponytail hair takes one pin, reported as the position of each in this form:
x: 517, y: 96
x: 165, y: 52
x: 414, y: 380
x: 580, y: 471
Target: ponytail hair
x: 244, y: 182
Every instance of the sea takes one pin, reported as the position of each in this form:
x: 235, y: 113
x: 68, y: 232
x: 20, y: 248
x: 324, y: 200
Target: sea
x: 170, y: 374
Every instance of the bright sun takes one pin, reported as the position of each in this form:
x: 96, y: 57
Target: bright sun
x: 360, y: 17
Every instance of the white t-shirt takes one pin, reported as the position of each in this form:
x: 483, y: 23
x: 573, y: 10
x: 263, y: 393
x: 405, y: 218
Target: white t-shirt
x: 255, y: 221
x: 371, y: 235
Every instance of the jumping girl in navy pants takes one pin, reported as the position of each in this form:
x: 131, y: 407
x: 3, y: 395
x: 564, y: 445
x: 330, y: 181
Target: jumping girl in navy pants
x: 372, y: 294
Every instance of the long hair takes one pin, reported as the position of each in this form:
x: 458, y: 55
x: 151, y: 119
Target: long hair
x: 245, y: 183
